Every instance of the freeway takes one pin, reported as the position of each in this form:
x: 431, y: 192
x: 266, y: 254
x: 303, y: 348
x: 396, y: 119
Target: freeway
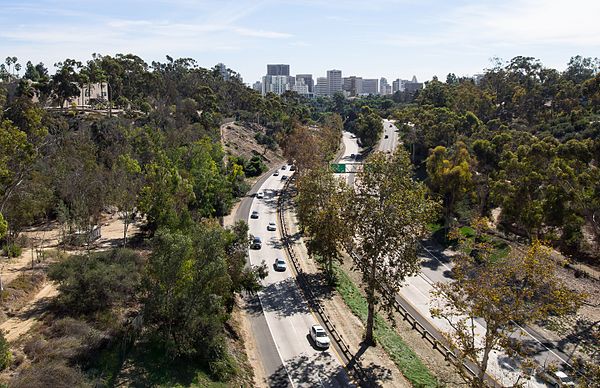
x: 416, y: 297
x: 286, y: 312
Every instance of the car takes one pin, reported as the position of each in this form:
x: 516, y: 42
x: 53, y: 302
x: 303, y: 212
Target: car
x: 283, y: 167
x: 386, y: 136
x: 256, y: 243
x: 276, y: 173
x: 284, y: 177
x: 319, y: 336
x: 260, y: 195
x: 556, y: 378
x: 254, y: 214
x: 279, y: 264
x: 292, y: 168
x: 272, y: 226
x: 352, y: 136
x: 352, y: 156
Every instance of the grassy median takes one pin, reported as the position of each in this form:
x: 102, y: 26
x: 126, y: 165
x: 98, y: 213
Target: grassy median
x: 403, y: 356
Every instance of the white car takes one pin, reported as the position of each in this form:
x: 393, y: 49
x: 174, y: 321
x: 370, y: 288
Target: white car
x: 557, y: 379
x: 272, y: 226
x: 260, y: 195
x: 319, y: 336
x: 279, y: 264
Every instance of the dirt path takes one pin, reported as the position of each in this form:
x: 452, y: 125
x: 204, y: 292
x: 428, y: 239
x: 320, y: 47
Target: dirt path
x: 24, y: 320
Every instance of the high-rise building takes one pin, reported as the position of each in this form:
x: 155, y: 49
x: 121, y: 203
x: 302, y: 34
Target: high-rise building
x: 352, y: 85
x: 257, y: 86
x: 334, y: 81
x: 383, y: 86
x: 300, y: 87
x: 223, y: 71
x: 413, y: 86
x: 369, y: 86
x: 277, y: 84
x: 278, y: 69
x: 308, y: 81
x: 322, y: 87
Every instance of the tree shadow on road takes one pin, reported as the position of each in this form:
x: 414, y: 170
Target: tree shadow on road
x: 283, y: 298
x: 317, y: 370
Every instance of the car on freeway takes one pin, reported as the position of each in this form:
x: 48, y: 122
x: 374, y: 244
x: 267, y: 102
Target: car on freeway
x: 276, y: 173
x: 254, y: 214
x: 284, y: 177
x: 260, y: 195
x: 319, y: 336
x: 283, y: 167
x: 272, y: 226
x: 556, y: 378
x: 279, y: 264
x: 256, y: 243
x: 352, y: 136
x: 386, y: 136
x: 292, y: 168
x: 352, y: 156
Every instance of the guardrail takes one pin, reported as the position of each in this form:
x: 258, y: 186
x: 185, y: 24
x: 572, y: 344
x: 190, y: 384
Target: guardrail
x: 314, y: 303
x: 444, y: 349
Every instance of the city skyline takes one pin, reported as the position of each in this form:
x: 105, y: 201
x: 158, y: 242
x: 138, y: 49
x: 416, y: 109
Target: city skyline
x: 390, y: 38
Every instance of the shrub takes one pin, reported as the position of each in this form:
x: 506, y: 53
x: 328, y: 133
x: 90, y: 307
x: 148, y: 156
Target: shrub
x: 5, y: 354
x: 12, y: 250
x: 56, y: 374
x: 97, y: 281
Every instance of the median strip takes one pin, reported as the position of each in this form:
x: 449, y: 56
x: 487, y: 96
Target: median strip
x: 403, y: 356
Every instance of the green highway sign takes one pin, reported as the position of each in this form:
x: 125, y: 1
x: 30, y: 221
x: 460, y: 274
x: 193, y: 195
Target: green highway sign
x: 338, y: 167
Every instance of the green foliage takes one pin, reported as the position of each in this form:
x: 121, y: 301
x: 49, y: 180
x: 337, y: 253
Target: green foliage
x: 368, y: 127
x: 95, y: 282
x: 5, y: 353
x: 3, y: 226
x: 403, y: 356
x: 12, y: 250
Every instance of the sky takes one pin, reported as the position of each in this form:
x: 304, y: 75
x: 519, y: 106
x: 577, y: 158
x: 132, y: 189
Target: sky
x: 368, y: 38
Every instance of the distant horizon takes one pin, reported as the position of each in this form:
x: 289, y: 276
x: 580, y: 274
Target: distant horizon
x: 380, y: 38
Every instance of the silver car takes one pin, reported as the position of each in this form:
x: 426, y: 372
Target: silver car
x: 279, y: 264
x: 272, y: 226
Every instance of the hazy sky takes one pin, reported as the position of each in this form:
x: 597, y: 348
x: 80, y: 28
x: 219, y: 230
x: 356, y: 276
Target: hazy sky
x: 369, y: 38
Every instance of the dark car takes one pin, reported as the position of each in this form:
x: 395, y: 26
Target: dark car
x: 292, y: 168
x: 256, y: 243
x: 284, y: 177
x: 254, y: 214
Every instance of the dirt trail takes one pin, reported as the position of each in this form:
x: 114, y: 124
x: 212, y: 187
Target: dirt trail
x: 24, y: 320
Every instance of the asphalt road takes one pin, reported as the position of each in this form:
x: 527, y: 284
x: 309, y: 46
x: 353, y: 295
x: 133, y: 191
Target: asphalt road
x: 269, y: 356
x: 286, y: 312
x: 389, y: 143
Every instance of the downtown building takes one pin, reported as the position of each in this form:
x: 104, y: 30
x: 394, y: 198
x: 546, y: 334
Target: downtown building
x: 334, y: 81
x: 369, y: 86
x: 277, y: 80
x: 322, y: 87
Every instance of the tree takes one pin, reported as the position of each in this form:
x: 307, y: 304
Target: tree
x: 64, y: 81
x: 368, y: 127
x: 127, y: 182
x: 322, y: 201
x: 450, y: 176
x: 506, y: 294
x: 389, y: 212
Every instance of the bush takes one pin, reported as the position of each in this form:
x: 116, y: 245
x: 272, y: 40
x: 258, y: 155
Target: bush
x: 5, y: 354
x: 12, y: 250
x: 56, y: 374
x: 95, y: 282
